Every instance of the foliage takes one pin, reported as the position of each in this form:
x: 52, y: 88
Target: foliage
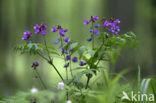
x: 106, y: 44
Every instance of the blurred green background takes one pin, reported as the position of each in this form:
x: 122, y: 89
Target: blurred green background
x: 16, y: 16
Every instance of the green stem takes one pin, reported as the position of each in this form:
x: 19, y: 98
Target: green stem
x: 57, y: 71
x: 64, y: 58
x: 65, y: 63
x: 45, y: 43
x: 38, y: 75
x: 88, y: 79
x: 92, y: 35
x: 71, y: 69
x: 51, y: 63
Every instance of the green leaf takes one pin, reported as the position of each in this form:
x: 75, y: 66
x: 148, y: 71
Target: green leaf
x: 31, y: 48
x: 153, y: 86
x: 51, y: 48
x: 75, y: 47
x: 91, y: 52
x: 117, y: 78
x: 144, y: 85
x: 81, y: 50
x: 55, y: 53
x: 80, y: 74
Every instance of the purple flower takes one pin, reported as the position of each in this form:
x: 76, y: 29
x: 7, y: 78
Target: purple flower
x: 106, y: 23
x: 35, y: 64
x: 26, y: 35
x: 71, y: 50
x: 59, y: 27
x: 91, y: 30
x: 112, y: 30
x: 68, y: 57
x: 54, y: 29
x: 96, y: 32
x: 56, y: 42
x: 89, y: 39
x: 74, y: 59
x: 86, y: 22
x: 97, y: 26
x: 116, y: 33
x: 43, y: 32
x: 66, y: 65
x: 37, y: 29
x: 62, y: 33
x: 40, y: 29
x: 66, y: 51
x: 63, y: 50
x: 82, y: 63
x: 117, y: 28
x: 117, y: 21
x: 67, y: 40
x: 113, y: 26
x: 95, y: 17
x: 43, y: 29
x: 65, y: 30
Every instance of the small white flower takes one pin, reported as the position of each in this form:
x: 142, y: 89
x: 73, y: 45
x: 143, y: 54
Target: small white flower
x: 61, y: 85
x: 69, y: 101
x: 34, y: 90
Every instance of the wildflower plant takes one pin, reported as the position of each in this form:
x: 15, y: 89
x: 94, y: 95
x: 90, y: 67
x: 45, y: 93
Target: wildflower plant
x: 105, y: 40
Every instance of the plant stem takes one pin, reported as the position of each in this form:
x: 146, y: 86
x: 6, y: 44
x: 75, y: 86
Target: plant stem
x: 66, y: 67
x: 43, y: 57
x: 92, y: 35
x: 64, y: 57
x: 71, y: 69
x: 88, y: 79
x: 57, y: 71
x: 65, y: 63
x: 38, y: 75
x: 51, y: 63
x: 45, y: 43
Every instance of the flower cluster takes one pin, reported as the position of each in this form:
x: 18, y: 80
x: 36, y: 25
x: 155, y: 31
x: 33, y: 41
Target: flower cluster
x: 66, y: 40
x: 61, y: 32
x: 26, y: 35
x: 74, y: 59
x: 35, y: 65
x: 40, y: 29
x: 92, y: 19
x: 112, y: 26
x: 94, y: 27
